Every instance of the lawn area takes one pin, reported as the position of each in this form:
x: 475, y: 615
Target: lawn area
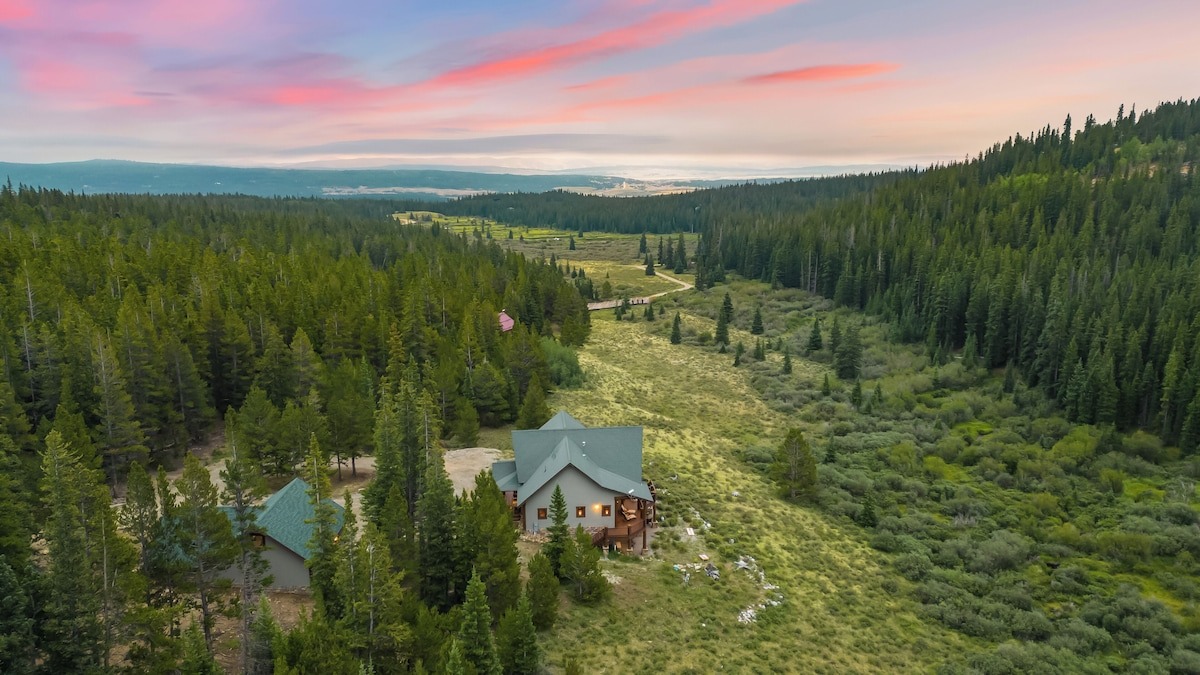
x: 844, y: 609
x: 629, y: 280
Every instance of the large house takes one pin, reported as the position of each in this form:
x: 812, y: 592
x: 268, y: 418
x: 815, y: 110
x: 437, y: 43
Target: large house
x: 283, y: 532
x: 599, y: 471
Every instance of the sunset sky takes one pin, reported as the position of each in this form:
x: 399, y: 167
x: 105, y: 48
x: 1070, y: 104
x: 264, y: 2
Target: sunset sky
x: 683, y: 87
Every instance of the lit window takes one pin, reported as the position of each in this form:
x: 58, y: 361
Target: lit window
x: 258, y: 540
x: 580, y: 511
x: 541, y: 514
x: 606, y: 510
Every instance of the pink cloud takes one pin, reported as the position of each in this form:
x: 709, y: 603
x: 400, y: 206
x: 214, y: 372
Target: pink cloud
x: 12, y: 11
x: 656, y: 29
x: 822, y: 73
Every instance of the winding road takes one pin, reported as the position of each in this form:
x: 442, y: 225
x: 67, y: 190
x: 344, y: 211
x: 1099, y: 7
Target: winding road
x: 641, y: 300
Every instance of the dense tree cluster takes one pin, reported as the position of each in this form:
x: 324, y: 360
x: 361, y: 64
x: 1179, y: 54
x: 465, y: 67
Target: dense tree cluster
x: 1069, y: 254
x: 130, y: 323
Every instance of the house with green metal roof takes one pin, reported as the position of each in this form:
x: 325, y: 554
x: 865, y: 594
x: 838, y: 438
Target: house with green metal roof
x: 599, y: 471
x: 283, y: 532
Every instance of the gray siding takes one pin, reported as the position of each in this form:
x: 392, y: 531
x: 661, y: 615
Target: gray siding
x: 579, y: 490
x: 287, y: 567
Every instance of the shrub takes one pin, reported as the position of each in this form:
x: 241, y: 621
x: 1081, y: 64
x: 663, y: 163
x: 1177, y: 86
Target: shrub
x: 563, y: 363
x: 1003, y: 551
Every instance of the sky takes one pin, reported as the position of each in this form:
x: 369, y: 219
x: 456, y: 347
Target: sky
x: 682, y: 88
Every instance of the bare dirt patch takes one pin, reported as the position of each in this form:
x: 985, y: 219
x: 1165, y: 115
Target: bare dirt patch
x: 464, y: 464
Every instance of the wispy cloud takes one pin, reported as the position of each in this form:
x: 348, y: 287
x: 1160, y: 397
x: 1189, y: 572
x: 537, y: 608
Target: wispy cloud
x: 656, y: 29
x: 822, y: 73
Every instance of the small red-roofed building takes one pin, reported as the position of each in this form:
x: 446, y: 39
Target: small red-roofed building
x: 506, y: 322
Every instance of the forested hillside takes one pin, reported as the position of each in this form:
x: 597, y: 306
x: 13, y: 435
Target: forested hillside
x: 131, y: 323
x: 1070, y: 256
x: 687, y: 212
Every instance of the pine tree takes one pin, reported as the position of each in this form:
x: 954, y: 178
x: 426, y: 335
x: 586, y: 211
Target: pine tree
x: 243, y: 487
x: 543, y: 590
x: 474, y: 633
x: 16, y: 525
x: 681, y: 258
x: 877, y: 397
x: 456, y: 661
x: 534, y: 411
x: 866, y: 516
x: 795, y: 468
x: 17, y: 643
x: 756, y: 327
x: 72, y: 633
x: 649, y: 266
x: 264, y: 633
x: 676, y: 332
x: 835, y: 336
x: 856, y: 394
x: 581, y: 569
x: 516, y: 641
x: 1189, y: 437
x: 322, y: 562
x: 435, y: 525
x: 847, y: 357
x: 738, y: 351
x: 490, y: 541
x: 814, y: 338
x: 760, y: 350
x: 643, y: 249
x: 826, y: 389
x: 559, y: 532
x: 721, y: 335
x: 206, y: 540
x: 787, y: 361
x: 649, y: 313
x: 197, y: 655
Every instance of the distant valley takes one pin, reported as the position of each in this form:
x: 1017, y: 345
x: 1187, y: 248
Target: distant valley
x: 110, y: 176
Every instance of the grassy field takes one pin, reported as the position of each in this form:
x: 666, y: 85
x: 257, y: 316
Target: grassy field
x: 630, y: 280
x: 843, y: 610
x: 544, y: 241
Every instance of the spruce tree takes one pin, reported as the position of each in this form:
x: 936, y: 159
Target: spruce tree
x: 826, y: 389
x: 435, y: 525
x: 787, y: 361
x: 72, y: 633
x: 543, y: 590
x: 649, y: 313
x: 581, y: 569
x: 559, y: 532
x: 516, y: 641
x: 721, y: 335
x: 676, y: 332
x: 264, y: 633
x: 738, y: 351
x: 489, y: 532
x: 534, y: 411
x: 835, y: 336
x: 243, y: 487
x: 16, y: 525
x: 814, y: 343
x: 17, y: 644
x: 866, y: 516
x: 856, y: 394
x: 206, y: 540
x: 322, y: 546
x: 756, y: 327
x: 474, y: 633
x: 649, y: 266
x: 795, y: 468
x: 847, y: 357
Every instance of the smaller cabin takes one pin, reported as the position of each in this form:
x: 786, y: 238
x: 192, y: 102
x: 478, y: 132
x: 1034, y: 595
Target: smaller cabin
x: 283, y: 532
x: 506, y: 322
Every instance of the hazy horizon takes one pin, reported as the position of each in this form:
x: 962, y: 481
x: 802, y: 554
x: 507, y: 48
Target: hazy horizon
x: 683, y: 88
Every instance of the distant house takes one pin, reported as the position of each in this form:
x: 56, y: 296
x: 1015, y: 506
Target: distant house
x: 283, y: 534
x: 599, y: 471
x: 506, y: 322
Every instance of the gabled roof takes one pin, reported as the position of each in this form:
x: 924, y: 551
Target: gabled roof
x: 562, y: 420
x: 567, y: 453
x: 284, y: 516
x: 505, y: 473
x: 617, y: 449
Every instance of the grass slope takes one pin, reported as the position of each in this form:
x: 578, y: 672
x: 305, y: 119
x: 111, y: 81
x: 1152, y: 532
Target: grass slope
x: 844, y: 610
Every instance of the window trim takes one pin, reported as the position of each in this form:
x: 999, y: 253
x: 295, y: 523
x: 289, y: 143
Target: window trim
x: 581, y: 512
x: 606, y: 510
x: 542, y: 514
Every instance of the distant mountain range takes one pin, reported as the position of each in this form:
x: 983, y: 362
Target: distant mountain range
x: 105, y: 176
